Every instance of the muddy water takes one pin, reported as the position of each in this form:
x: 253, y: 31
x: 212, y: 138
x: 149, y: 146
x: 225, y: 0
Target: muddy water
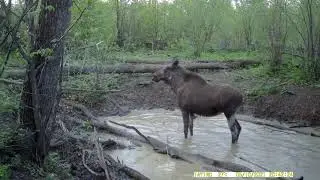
x: 258, y: 146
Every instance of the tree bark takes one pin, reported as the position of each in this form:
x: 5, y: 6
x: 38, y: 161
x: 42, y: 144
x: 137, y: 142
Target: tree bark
x: 41, y: 87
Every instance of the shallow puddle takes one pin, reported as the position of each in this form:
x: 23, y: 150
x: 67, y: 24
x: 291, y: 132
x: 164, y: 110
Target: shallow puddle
x: 260, y: 146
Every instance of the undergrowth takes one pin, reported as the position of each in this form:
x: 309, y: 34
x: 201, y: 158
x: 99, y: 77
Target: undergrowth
x: 265, y: 82
x: 10, y: 99
x: 13, y: 146
x: 5, y: 172
x: 90, y: 89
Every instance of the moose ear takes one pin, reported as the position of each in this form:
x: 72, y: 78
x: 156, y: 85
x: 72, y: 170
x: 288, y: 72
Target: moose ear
x: 175, y: 63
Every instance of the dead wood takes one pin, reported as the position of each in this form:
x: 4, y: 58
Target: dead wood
x: 87, y: 167
x: 282, y: 127
x: 150, y: 68
x: 105, y: 161
x: 140, y: 68
x: 137, y: 131
x: 67, y: 90
x: 185, y: 61
x: 8, y: 81
x: 101, y: 158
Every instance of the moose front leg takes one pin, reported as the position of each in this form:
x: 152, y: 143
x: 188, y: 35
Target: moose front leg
x: 191, y: 118
x: 185, y: 116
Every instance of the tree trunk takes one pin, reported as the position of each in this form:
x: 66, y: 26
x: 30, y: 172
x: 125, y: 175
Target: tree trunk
x: 41, y: 87
x: 120, y: 37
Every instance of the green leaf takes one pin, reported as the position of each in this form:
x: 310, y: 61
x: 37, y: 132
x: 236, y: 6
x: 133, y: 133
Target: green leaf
x: 49, y: 8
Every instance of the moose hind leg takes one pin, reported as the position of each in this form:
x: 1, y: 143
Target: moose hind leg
x: 185, y: 116
x: 234, y: 127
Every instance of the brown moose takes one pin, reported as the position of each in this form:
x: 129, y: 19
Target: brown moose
x: 196, y: 96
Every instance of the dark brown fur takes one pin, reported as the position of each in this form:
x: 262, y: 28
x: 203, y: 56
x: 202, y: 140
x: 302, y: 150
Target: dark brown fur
x: 196, y: 96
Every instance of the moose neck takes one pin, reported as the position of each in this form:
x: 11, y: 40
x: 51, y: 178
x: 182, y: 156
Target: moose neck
x: 176, y: 81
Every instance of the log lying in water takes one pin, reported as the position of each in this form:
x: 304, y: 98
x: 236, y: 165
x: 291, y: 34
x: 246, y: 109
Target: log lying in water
x: 140, y: 68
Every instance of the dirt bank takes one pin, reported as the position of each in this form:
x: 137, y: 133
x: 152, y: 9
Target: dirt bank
x: 297, y: 105
x: 302, y: 106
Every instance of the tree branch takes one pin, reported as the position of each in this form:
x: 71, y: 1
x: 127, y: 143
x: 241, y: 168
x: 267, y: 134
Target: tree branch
x: 87, y: 167
x: 72, y: 25
x: 16, y: 26
x: 137, y: 131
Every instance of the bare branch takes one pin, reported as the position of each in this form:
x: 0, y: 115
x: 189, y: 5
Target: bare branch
x: 137, y: 131
x: 7, y: 81
x: 24, y: 55
x: 101, y: 158
x: 73, y: 24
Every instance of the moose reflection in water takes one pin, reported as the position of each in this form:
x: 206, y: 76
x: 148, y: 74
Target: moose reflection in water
x: 196, y: 96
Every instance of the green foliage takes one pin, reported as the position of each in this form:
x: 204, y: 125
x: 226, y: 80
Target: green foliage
x: 10, y: 99
x: 42, y: 52
x: 55, y: 168
x: 88, y: 125
x: 266, y: 82
x: 97, y: 24
x: 6, y: 137
x: 49, y: 8
x: 5, y: 172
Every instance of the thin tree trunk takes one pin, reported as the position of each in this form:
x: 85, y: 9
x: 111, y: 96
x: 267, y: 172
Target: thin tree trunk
x: 119, y: 25
x: 41, y: 87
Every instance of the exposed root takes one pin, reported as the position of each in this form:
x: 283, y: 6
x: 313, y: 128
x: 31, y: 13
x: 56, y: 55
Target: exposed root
x: 87, y: 167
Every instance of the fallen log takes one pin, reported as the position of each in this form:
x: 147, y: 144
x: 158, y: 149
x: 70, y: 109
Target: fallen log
x: 278, y: 126
x: 150, y: 68
x: 187, y: 61
x: 139, y: 68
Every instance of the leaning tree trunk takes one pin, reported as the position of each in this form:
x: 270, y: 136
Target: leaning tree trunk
x: 39, y: 99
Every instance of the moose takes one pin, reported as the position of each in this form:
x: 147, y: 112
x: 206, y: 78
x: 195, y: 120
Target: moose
x: 197, y: 97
